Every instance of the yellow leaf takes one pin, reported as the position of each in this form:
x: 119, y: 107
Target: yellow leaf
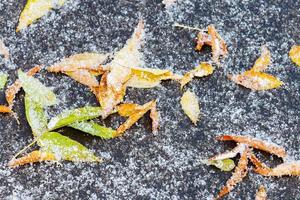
x: 256, y: 80
x: 84, y: 77
x: 35, y: 9
x: 263, y: 61
x: 204, y: 69
x: 295, y: 54
x: 190, y: 106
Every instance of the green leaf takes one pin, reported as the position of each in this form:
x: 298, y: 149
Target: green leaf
x: 36, y: 90
x: 224, y: 165
x: 36, y: 116
x: 65, y: 148
x: 76, y: 115
x: 94, y: 129
x: 3, y: 79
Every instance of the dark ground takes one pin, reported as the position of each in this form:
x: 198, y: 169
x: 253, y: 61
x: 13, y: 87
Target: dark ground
x: 167, y: 165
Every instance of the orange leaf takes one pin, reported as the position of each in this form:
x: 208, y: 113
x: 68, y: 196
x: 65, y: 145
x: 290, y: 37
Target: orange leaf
x: 240, y: 172
x: 261, y: 193
x: 229, y: 154
x: 127, y: 109
x: 84, y: 77
x: 5, y: 109
x: 155, y: 118
x: 255, y: 143
x: 35, y: 156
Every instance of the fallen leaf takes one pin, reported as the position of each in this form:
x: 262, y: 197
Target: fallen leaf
x: 190, y: 106
x: 229, y: 154
x: 84, y: 77
x: 202, y: 40
x: 4, y: 50
x: 263, y: 61
x: 239, y: 173
x: 35, y: 9
x: 261, y: 193
x: 225, y: 165
x: 75, y: 115
x: 3, y: 79
x: 255, y: 143
x: 139, y: 111
x: 204, y: 69
x: 154, y: 115
x: 5, y: 109
x: 295, y: 54
x: 127, y: 109
x: 35, y: 156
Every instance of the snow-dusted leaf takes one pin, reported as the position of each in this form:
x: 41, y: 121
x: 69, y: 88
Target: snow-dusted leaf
x: 35, y: 156
x: 255, y: 143
x: 35, y: 9
x: 263, y: 61
x: 204, y: 69
x: 261, y: 194
x: 139, y: 111
x: 225, y: 165
x: 76, y: 115
x: 4, y: 50
x: 148, y: 78
x: 36, y: 90
x: 190, y: 105
x: 94, y: 129
x: 65, y: 148
x: 295, y: 54
x: 240, y: 172
x: 84, y: 77
x: 3, y: 79
x: 13, y: 89
x: 154, y: 115
x: 229, y: 154
x: 35, y: 116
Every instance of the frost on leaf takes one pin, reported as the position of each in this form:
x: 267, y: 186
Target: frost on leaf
x: 84, y: 77
x: 35, y: 9
x: 36, y: 90
x: 134, y: 112
x: 261, y: 193
x: 225, y: 165
x: 295, y: 54
x: 3, y: 79
x: 254, y: 78
x: 168, y: 3
x: 112, y: 88
x: 190, y: 105
x: 204, y: 69
x: 4, y: 50
x: 65, y: 148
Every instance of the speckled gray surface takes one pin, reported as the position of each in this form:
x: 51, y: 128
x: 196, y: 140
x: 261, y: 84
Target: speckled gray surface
x: 167, y: 165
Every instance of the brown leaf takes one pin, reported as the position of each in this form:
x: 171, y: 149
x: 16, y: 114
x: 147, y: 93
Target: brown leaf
x: 240, y: 172
x: 229, y: 154
x: 155, y: 118
x: 255, y: 143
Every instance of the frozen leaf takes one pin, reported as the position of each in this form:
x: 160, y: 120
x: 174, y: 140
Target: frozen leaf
x: 84, y: 77
x: 229, y: 154
x: 35, y: 156
x: 261, y: 193
x: 240, y: 172
x: 4, y: 50
x: 148, y: 78
x: 36, y: 90
x: 134, y: 117
x: 3, y: 79
x: 5, y: 109
x: 35, y: 9
x: 65, y: 148
x: 76, y: 115
x: 190, y: 106
x: 203, y: 39
x: 127, y: 109
x: 295, y: 54
x: 35, y: 116
x: 225, y: 165
x: 94, y: 129
x: 255, y: 143
x: 263, y: 61
x: 87, y: 61
x: 13, y: 89
x: 155, y: 118
x: 204, y: 69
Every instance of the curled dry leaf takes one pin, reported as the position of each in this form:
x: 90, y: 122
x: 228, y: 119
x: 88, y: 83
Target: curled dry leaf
x: 204, y: 69
x: 112, y: 88
x: 35, y: 9
x: 203, y: 39
x: 133, y: 117
x: 13, y: 89
x: 190, y: 105
x: 240, y: 172
x: 35, y: 156
x: 261, y: 193
x: 255, y: 143
x: 229, y: 154
x: 4, y: 50
x: 295, y: 54
x: 255, y: 79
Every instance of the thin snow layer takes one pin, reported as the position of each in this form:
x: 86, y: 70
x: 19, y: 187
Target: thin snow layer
x: 167, y: 165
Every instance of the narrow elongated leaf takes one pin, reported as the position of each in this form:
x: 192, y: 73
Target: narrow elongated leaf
x: 35, y: 9
x: 75, y: 115
x: 35, y: 116
x: 3, y: 79
x: 65, y: 148
x: 36, y: 90
x: 94, y: 129
x: 190, y: 105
